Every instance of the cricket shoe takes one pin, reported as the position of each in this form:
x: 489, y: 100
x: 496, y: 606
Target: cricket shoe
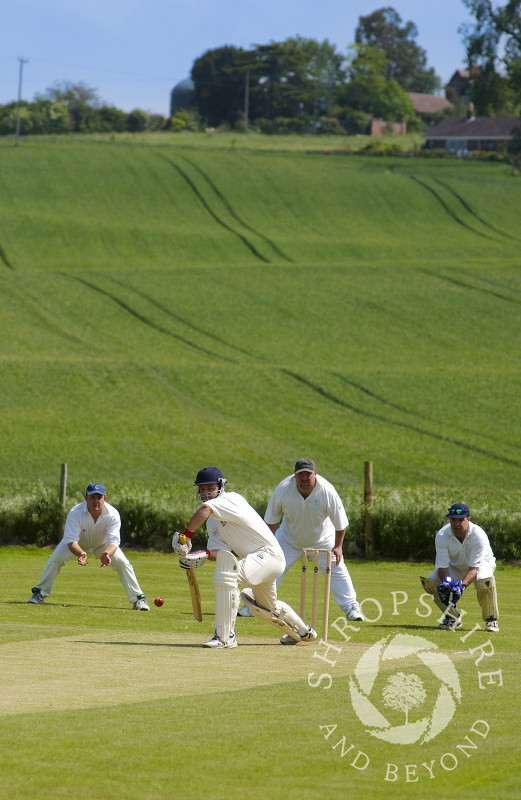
x: 309, y: 636
x: 216, y: 642
x: 36, y: 597
x: 354, y: 614
x: 141, y: 604
x: 491, y: 624
x: 450, y: 623
x: 244, y: 611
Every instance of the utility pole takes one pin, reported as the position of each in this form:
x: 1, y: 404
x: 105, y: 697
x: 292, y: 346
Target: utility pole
x: 22, y: 62
x: 246, y: 98
x: 329, y: 101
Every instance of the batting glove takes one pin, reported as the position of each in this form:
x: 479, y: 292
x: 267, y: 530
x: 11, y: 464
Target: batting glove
x: 193, y: 560
x: 181, y: 549
x: 444, y: 590
x: 457, y: 590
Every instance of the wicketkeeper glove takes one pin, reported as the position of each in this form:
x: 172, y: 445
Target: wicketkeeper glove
x: 193, y: 560
x: 444, y: 590
x: 182, y: 549
x: 457, y: 590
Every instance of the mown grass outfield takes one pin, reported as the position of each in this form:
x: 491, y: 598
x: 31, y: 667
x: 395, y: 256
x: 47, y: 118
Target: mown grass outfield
x: 100, y: 702
x: 168, y: 305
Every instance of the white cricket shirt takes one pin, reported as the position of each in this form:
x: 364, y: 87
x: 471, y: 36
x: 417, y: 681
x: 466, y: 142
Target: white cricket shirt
x: 310, y: 521
x: 80, y: 527
x: 473, y: 551
x: 234, y: 523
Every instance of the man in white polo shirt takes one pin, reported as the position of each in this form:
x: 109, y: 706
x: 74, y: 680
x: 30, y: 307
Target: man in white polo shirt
x: 92, y: 525
x: 305, y: 510
x: 463, y: 556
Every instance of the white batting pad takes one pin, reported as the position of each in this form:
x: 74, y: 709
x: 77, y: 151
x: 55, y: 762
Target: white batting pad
x: 282, y: 616
x: 226, y: 594
x: 431, y: 587
x: 487, y: 597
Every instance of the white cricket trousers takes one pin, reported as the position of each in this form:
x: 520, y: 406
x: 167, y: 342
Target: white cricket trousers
x: 342, y: 587
x: 119, y: 563
x: 486, y: 570
x: 259, y: 571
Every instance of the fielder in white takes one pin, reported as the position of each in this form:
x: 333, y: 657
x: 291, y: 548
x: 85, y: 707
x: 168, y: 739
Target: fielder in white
x: 463, y: 556
x: 235, y: 529
x: 305, y: 510
x: 92, y: 525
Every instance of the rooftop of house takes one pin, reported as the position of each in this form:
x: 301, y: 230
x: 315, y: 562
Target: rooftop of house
x: 474, y: 128
x: 465, y: 74
x: 429, y: 103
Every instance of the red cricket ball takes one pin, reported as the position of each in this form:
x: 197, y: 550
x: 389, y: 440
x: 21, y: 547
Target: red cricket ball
x: 158, y: 602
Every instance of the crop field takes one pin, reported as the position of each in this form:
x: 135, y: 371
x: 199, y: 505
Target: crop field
x: 167, y: 303
x: 100, y: 702
x: 165, y: 307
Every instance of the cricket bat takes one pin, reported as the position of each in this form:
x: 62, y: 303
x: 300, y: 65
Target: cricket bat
x: 194, y: 587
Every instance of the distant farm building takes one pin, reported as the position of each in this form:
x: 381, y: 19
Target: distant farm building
x: 381, y: 127
x: 472, y: 134
x: 182, y: 96
x: 427, y: 106
x: 459, y: 87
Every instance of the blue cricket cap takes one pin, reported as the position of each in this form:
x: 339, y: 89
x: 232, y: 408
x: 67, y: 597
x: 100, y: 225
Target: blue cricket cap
x: 458, y: 510
x: 96, y: 488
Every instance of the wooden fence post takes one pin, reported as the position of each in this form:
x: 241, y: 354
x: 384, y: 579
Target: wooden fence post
x: 63, y: 497
x: 368, y: 508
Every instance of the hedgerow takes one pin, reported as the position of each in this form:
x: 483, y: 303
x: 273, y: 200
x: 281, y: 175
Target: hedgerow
x: 403, y: 522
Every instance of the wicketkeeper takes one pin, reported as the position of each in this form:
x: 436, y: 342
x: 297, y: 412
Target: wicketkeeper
x: 236, y: 530
x: 463, y: 556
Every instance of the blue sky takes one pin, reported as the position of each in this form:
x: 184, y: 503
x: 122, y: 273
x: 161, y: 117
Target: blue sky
x: 134, y: 51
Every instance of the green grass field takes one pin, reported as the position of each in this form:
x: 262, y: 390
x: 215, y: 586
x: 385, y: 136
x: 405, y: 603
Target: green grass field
x: 100, y: 702
x: 166, y: 304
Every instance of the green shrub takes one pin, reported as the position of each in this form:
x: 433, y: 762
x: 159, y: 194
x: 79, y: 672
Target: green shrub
x: 284, y: 125
x: 354, y: 122
x: 378, y: 148
x: 30, y: 519
x: 436, y: 152
x: 403, y: 522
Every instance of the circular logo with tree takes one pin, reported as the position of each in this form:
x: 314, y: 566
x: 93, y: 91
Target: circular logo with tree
x: 399, y: 675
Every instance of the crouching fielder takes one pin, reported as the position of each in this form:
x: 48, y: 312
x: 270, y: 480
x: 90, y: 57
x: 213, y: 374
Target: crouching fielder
x: 235, y: 529
x: 463, y: 556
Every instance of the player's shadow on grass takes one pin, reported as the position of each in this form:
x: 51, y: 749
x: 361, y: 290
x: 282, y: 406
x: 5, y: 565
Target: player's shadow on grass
x: 173, y: 644
x: 57, y: 604
x: 403, y: 627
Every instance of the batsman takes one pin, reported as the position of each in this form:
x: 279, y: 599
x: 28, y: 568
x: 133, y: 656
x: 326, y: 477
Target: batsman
x: 247, y: 555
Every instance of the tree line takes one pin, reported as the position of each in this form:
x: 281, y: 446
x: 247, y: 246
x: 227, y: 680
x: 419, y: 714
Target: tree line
x: 306, y: 85
x: 302, y: 85
x: 493, y: 45
x: 68, y: 107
